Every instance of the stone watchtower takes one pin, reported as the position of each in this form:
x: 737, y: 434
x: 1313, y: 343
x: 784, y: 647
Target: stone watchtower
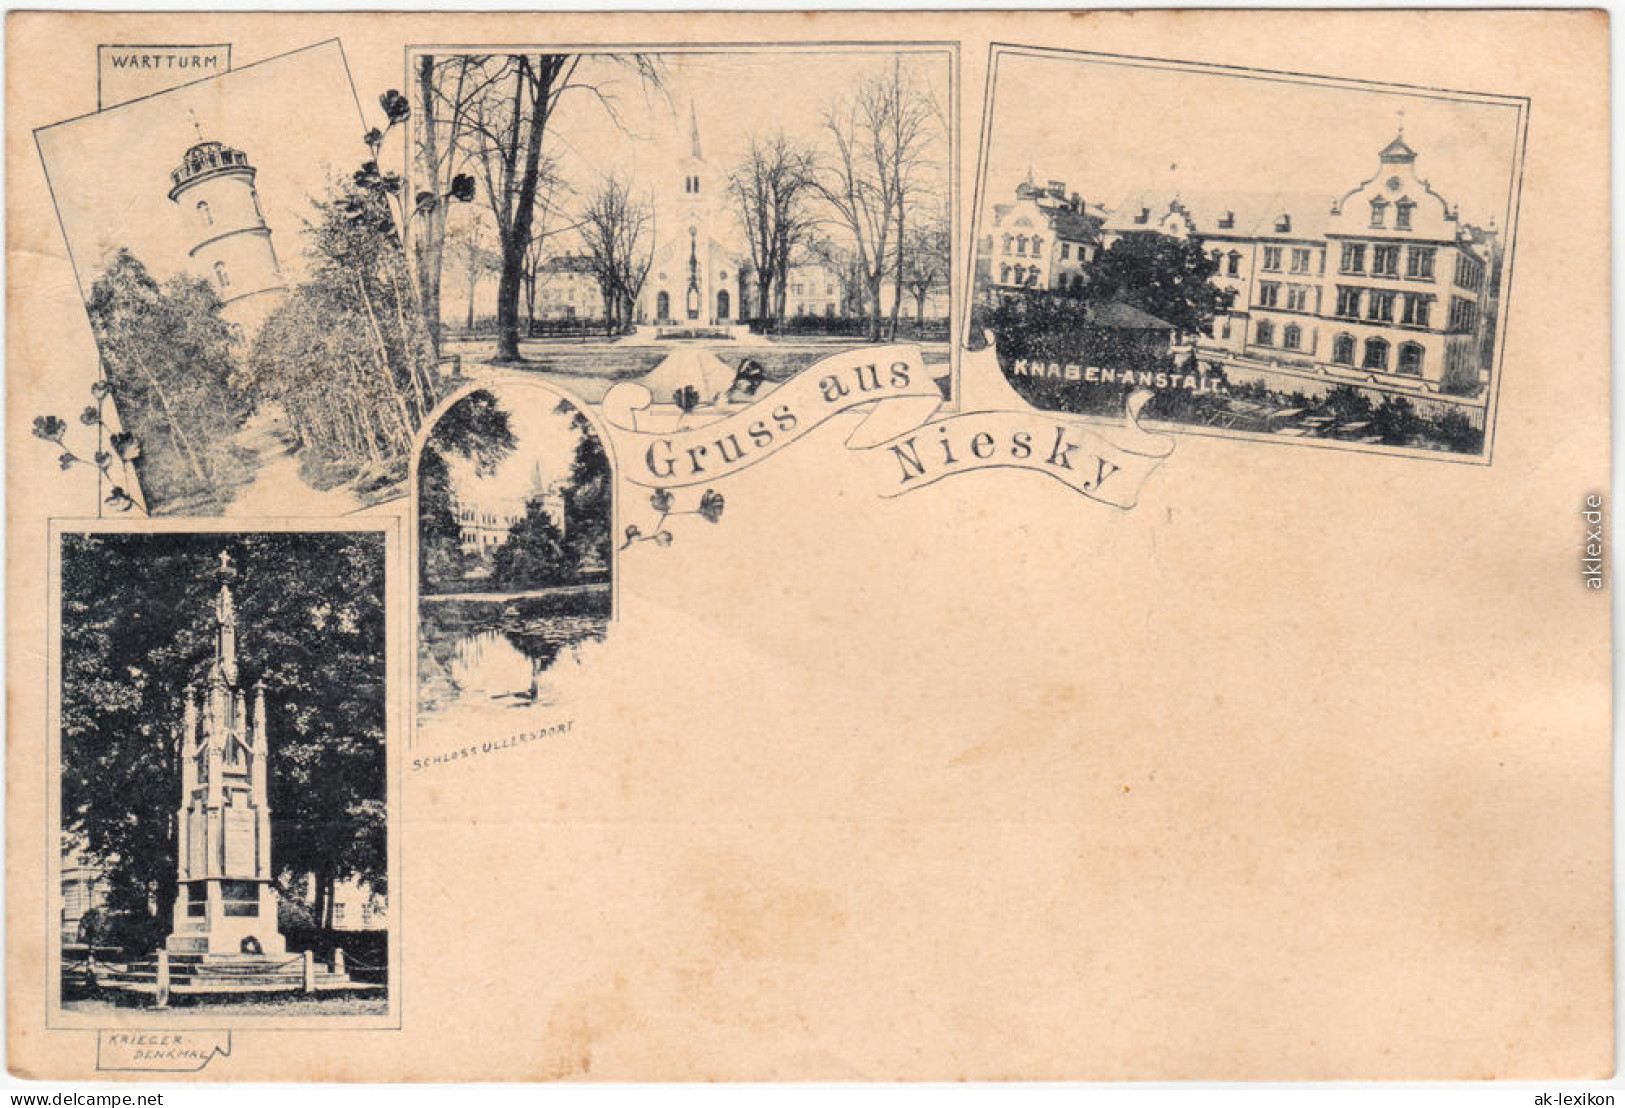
x: 220, y: 209
x: 224, y: 898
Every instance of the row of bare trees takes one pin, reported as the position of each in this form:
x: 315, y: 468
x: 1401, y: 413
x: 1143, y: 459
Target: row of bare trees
x: 863, y: 200
x: 487, y: 116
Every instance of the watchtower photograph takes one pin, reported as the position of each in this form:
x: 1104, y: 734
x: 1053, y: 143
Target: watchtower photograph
x: 223, y: 806
x: 239, y: 252
x: 1326, y: 262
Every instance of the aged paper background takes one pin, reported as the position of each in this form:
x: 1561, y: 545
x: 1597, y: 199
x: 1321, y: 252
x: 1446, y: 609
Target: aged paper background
x: 1298, y: 770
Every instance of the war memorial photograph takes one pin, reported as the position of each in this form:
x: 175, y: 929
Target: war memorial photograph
x: 1326, y: 261
x: 223, y: 774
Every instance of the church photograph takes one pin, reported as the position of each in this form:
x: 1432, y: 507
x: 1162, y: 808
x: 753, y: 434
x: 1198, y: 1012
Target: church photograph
x: 223, y: 805
x: 249, y: 302
x: 675, y: 225
x: 1326, y: 265
x: 515, y: 510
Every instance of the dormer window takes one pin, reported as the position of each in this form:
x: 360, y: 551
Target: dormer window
x: 1227, y: 220
x: 1402, y: 214
x: 1144, y: 216
x: 1379, y: 211
x: 1284, y: 224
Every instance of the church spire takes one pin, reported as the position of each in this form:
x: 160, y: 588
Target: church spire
x: 694, y: 132
x: 225, y: 613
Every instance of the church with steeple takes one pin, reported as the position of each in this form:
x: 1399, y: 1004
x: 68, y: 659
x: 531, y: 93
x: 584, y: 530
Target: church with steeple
x: 699, y: 273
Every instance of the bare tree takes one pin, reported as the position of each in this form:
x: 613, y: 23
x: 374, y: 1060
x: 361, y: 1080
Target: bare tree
x: 504, y: 128
x: 771, y: 189
x: 444, y: 87
x: 880, y: 139
x: 926, y: 260
x: 618, y: 233
x: 468, y: 244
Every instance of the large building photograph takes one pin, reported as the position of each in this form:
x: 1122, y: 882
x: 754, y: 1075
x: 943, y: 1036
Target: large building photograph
x: 1323, y: 260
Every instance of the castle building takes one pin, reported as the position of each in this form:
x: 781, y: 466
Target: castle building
x: 484, y: 524
x: 231, y: 244
x: 1043, y: 240
x: 224, y: 903
x: 1382, y: 284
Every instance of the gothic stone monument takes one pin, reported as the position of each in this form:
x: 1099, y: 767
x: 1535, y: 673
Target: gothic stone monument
x: 224, y: 904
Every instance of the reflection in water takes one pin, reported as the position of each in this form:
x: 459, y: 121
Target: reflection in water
x: 495, y: 654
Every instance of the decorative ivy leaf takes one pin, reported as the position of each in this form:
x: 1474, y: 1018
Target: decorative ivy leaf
x: 66, y: 461
x: 711, y: 505
x: 661, y: 501
x: 90, y: 416
x: 49, y: 428
x: 100, y: 389
x: 396, y: 107
x: 663, y: 538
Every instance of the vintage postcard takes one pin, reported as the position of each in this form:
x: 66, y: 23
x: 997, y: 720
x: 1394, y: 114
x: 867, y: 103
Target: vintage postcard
x: 948, y: 546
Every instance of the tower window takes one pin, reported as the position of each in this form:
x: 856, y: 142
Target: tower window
x: 220, y: 275
x: 204, y: 215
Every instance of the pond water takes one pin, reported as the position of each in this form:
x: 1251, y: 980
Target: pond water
x: 495, y: 654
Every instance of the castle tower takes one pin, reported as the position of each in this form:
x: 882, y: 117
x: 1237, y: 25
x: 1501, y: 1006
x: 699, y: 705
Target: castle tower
x: 220, y: 210
x: 224, y: 896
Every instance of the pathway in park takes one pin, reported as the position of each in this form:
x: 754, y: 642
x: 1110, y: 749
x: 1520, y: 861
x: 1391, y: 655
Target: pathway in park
x: 277, y: 488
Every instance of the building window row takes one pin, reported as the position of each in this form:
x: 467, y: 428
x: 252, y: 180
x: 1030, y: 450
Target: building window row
x: 1385, y: 261
x: 1264, y: 335
x: 1469, y: 272
x: 1463, y: 314
x: 1301, y: 258
x: 1297, y: 296
x: 1403, y: 207
x: 1027, y: 275
x: 1377, y: 350
x: 1021, y: 242
x: 1416, y: 307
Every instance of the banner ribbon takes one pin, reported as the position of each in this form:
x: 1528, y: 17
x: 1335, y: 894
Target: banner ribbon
x: 900, y: 444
